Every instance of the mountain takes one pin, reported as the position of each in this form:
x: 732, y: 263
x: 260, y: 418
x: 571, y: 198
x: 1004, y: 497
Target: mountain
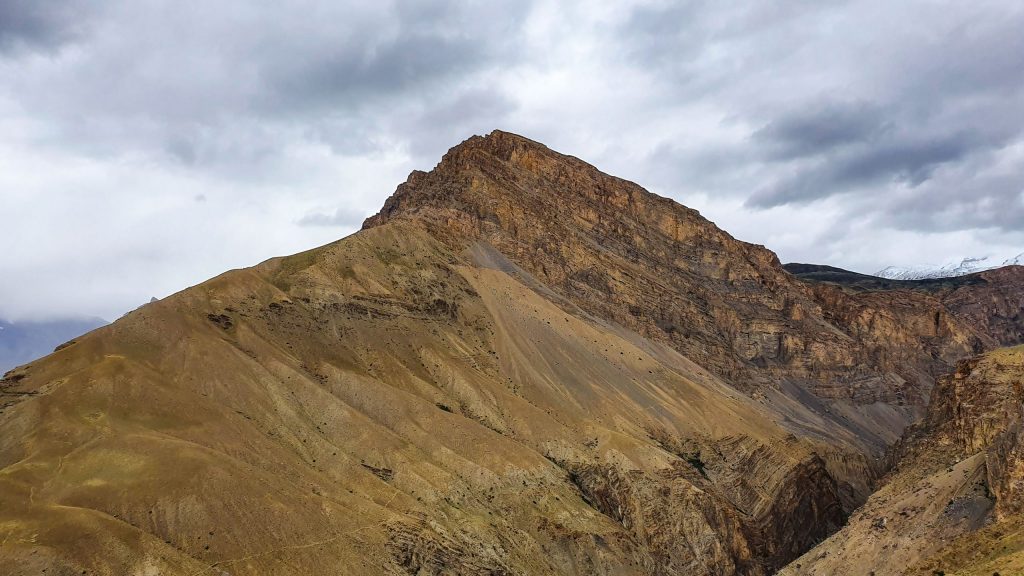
x: 858, y: 281
x: 966, y: 266
x: 990, y: 300
x: 521, y: 365
x: 955, y: 502
x: 21, y: 342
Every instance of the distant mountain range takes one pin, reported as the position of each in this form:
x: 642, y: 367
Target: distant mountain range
x: 964, y: 267
x: 22, y: 342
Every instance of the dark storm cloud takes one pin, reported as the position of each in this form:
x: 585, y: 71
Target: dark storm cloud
x: 39, y: 25
x: 906, y: 162
x: 874, y: 151
x: 818, y: 130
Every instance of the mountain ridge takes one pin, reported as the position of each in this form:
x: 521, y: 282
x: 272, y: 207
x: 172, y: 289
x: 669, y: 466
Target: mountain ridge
x: 969, y: 265
x: 521, y: 365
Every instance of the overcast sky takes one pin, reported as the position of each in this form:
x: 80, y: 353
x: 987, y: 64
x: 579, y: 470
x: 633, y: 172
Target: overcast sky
x: 146, y: 146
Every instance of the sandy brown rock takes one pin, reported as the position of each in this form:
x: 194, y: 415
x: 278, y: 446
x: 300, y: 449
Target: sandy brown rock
x: 850, y: 368
x: 953, y: 505
x: 994, y: 302
x: 387, y: 405
x: 521, y: 366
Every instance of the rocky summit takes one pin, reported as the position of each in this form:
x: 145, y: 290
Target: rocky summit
x: 523, y: 365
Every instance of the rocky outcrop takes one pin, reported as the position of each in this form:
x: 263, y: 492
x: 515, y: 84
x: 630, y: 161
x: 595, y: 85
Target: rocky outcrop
x: 912, y: 333
x: 957, y: 488
x: 661, y: 269
x: 989, y: 301
x: 980, y: 409
x: 994, y: 303
x: 851, y: 367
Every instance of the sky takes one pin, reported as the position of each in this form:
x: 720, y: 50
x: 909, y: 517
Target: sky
x: 148, y: 145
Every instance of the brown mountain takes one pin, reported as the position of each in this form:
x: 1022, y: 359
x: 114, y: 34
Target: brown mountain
x: 955, y: 502
x: 521, y: 365
x: 991, y: 300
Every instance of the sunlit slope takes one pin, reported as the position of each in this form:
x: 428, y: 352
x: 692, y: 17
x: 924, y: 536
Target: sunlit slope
x: 386, y: 405
x: 522, y: 365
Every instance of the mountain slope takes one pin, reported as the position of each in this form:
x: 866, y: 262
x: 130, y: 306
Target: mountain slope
x: 991, y: 301
x: 954, y: 504
x: 394, y: 404
x: 662, y: 270
x: 520, y: 366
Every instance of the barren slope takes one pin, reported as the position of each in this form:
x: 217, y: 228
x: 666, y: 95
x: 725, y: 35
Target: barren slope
x: 384, y: 405
x: 848, y: 369
x: 521, y: 366
x: 954, y: 503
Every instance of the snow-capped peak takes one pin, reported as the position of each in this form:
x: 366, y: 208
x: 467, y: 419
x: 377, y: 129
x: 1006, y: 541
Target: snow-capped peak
x: 966, y: 266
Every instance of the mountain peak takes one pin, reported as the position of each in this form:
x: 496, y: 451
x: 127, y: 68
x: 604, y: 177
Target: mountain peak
x: 519, y: 350
x: 496, y: 154
x: 505, y: 169
x: 501, y: 143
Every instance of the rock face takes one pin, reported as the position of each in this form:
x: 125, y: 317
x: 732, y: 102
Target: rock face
x: 994, y: 303
x: 954, y: 503
x: 660, y: 269
x: 991, y: 301
x: 520, y: 366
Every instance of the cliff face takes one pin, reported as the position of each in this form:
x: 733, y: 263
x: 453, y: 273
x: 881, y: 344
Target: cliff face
x: 978, y: 409
x: 954, y: 502
x: 621, y: 252
x: 994, y: 303
x: 991, y: 301
x: 660, y: 269
x: 520, y: 366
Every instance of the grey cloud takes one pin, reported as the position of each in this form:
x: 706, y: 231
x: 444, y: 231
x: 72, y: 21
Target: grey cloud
x: 970, y: 201
x: 352, y: 74
x: 981, y: 55
x: 863, y: 120
x: 818, y: 129
x: 249, y: 81
x: 342, y: 217
x: 908, y: 104
x: 908, y: 162
x: 39, y: 25
x: 439, y: 125
x: 698, y: 47
x: 669, y: 32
